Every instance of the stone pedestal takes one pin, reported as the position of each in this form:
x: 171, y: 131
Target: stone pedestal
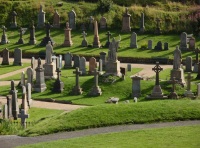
x: 113, y: 68
x: 50, y: 71
x: 156, y: 93
x: 96, y: 91
x: 179, y: 75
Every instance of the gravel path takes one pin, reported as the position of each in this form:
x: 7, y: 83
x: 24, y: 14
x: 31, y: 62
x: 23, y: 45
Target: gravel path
x: 13, y: 140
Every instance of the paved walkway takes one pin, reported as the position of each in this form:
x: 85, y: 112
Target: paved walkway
x: 13, y: 140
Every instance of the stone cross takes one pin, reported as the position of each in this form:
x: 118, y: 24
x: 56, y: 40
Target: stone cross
x: 21, y: 30
x: 48, y: 27
x: 32, y: 39
x: 157, y: 69
x: 84, y: 35
x: 23, y: 117
x: 4, y: 29
x: 96, y: 76
x: 189, y: 78
x: 108, y: 36
x: 197, y: 51
x: 173, y: 82
x: 77, y: 72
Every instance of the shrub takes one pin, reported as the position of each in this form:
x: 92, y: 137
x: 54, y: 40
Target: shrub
x: 104, y: 6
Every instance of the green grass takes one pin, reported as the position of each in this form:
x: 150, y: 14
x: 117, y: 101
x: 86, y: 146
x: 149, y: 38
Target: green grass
x: 106, y: 115
x: 10, y: 68
x: 184, y: 137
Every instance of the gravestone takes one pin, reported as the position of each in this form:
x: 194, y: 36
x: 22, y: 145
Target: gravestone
x: 177, y: 71
x: 12, y: 86
x: 33, y: 66
x: 17, y: 57
x: 68, y: 60
x: 72, y: 19
x: 192, y: 43
x: 22, y: 81
x: 103, y: 23
x: 29, y: 73
x: 40, y: 85
x: 173, y: 94
x: 5, y: 111
x: 32, y: 40
x: 96, y: 42
x: 188, y: 64
x: 158, y: 24
x: 150, y: 44
x: 129, y: 68
x: 15, y: 107
x: 92, y: 65
x: 198, y: 74
x: 126, y: 22
x: 183, y: 43
x: 113, y: 65
x: 14, y: 18
x: 103, y: 58
x: 142, y: 27
x: 196, y: 51
x: 29, y: 98
x: 158, y: 46
x: 5, y: 57
x: 60, y: 61
x: 47, y: 38
x: 68, y: 41
x: 9, y: 103
x: 76, y: 61
x: 157, y: 91
x: 21, y: 40
x: 23, y: 117
x: 108, y: 39
x: 83, y: 28
x: 91, y: 23
x: 41, y: 18
x: 58, y: 85
x: 82, y: 66
x: 84, y: 41
x: 123, y: 71
x: 136, y: 89
x: 4, y: 39
x: 100, y: 67
x: 188, y: 92
x: 49, y: 66
x: 56, y: 20
x: 133, y: 43
x: 24, y: 99
x: 166, y: 46
x: 77, y: 90
x: 96, y: 90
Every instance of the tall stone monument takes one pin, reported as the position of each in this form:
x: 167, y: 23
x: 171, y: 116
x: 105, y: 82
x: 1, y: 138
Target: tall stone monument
x: 68, y: 40
x: 126, y: 22
x: 96, y: 42
x: 142, y: 27
x: 183, y: 43
x: 72, y: 19
x: 108, y: 39
x: 4, y: 39
x: 77, y: 90
x: 96, y: 90
x: 84, y: 41
x: 14, y: 18
x: 32, y: 40
x: 56, y: 20
x: 48, y: 38
x: 58, y: 85
x: 41, y: 18
x: 5, y: 57
x: 21, y: 40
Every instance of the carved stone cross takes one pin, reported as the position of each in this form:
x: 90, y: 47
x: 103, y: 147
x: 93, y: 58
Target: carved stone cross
x: 157, y: 69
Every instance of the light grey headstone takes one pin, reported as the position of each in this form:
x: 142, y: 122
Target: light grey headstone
x: 129, y: 68
x: 72, y: 19
x: 15, y: 107
x: 82, y: 65
x: 29, y: 98
x: 4, y: 39
x: 150, y: 44
x: 100, y: 66
x: 92, y: 65
x: 41, y: 18
x: 17, y: 57
x: 103, y: 58
x: 91, y: 23
x: 22, y: 81
x: 136, y: 89
x: 188, y: 64
x: 68, y: 60
x: 76, y: 61
x: 103, y: 23
x: 33, y: 66
x: 183, y: 43
x: 29, y: 73
x: 5, y: 111
x: 177, y: 58
x: 133, y: 43
x: 142, y: 27
x: 60, y: 61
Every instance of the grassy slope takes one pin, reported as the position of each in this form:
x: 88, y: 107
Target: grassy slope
x: 105, y: 115
x: 187, y: 136
x: 10, y: 68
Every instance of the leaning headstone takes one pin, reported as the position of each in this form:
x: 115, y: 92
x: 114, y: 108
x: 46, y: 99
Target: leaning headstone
x: 14, y: 18
x: 56, y: 20
x: 41, y: 18
x: 22, y: 81
x: 48, y: 37
x: 32, y: 40
x: 183, y: 43
x: 136, y: 89
x: 96, y: 42
x: 76, y: 61
x: 188, y: 92
x: 58, y: 85
x: 40, y: 85
x: 23, y: 117
x: 72, y: 19
x: 126, y: 22
x: 77, y: 90
x: 17, y: 57
x: 142, y: 27
x: 4, y: 39
x: 166, y: 46
x: 133, y: 43
x: 103, y: 23
x: 68, y: 60
x: 92, y: 65
x: 108, y: 39
x: 91, y: 23
x: 188, y: 64
x: 192, y: 43
x: 150, y: 44
x: 68, y: 40
x: 30, y: 73
x: 5, y: 57
x: 96, y: 90
x: 84, y: 41
x: 29, y: 98
x: 129, y: 68
x: 82, y: 66
x: 103, y: 58
x: 21, y: 40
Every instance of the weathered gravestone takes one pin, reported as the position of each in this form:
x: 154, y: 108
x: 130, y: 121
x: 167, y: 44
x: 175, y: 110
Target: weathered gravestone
x: 108, y: 39
x: 82, y: 66
x: 30, y: 73
x: 136, y: 89
x: 15, y: 107
x: 126, y: 22
x: 166, y: 46
x: 133, y: 43
x: 24, y: 104
x: 33, y: 66
x: 100, y: 67
x: 196, y: 51
x: 5, y: 57
x: 103, y: 23
x: 150, y: 44
x: 188, y: 64
x: 158, y: 46
x: 5, y: 112
x: 41, y: 18
x: 17, y: 57
x: 9, y: 103
x: 188, y: 92
x: 84, y: 41
x: 192, y: 43
x: 72, y: 19
x: 40, y: 85
x: 29, y: 98
x: 103, y: 58
x: 48, y: 38
x: 14, y: 18
x: 68, y: 41
x: 142, y: 27
x: 91, y: 23
x: 32, y: 40
x: 22, y: 81
x: 77, y: 90
x: 183, y: 43
x: 173, y: 94
x: 56, y: 20
x: 96, y: 42
x: 76, y: 61
x: 68, y: 60
x: 96, y: 90
x: 92, y: 65
x: 129, y: 68
x: 21, y: 32
x: 23, y: 117
x: 4, y: 39
x: 58, y: 85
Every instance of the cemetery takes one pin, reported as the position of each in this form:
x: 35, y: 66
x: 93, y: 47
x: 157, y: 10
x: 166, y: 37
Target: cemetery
x: 74, y: 66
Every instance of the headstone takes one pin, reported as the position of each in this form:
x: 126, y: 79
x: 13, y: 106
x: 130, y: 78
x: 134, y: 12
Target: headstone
x: 24, y: 104
x: 5, y: 57
x: 56, y: 20
x: 4, y: 39
x: 196, y: 51
x: 30, y: 73
x: 123, y: 70
x: 22, y: 81
x: 129, y: 68
x: 23, y: 117
x: 142, y: 27
x: 84, y: 41
x: 32, y: 40
x: 5, y: 111
x: 126, y: 22
x: 17, y: 57
x: 108, y: 39
x: 103, y: 23
x: 192, y: 43
x: 40, y: 85
x: 188, y: 64
x: 96, y: 90
x: 58, y: 85
x: 72, y: 19
x: 21, y: 40
x: 12, y: 86
x: 92, y: 65
x: 100, y: 67
x: 76, y: 61
x: 133, y: 43
x: 33, y: 66
x: 14, y: 18
x: 48, y: 38
x: 83, y: 28
x: 96, y: 42
x: 60, y: 61
x: 91, y: 23
x: 158, y: 24
x: 157, y: 91
x: 173, y: 94
x: 103, y: 58
x: 29, y: 98
x: 15, y: 107
x: 166, y: 46
x: 158, y: 46
x: 150, y: 44
x: 113, y: 65
x: 183, y: 43
x: 41, y: 18
x: 188, y: 92
x: 136, y: 89
x: 77, y: 90
x: 9, y: 103
x: 82, y: 66
x: 68, y: 41
x: 68, y: 60
x: 198, y: 90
